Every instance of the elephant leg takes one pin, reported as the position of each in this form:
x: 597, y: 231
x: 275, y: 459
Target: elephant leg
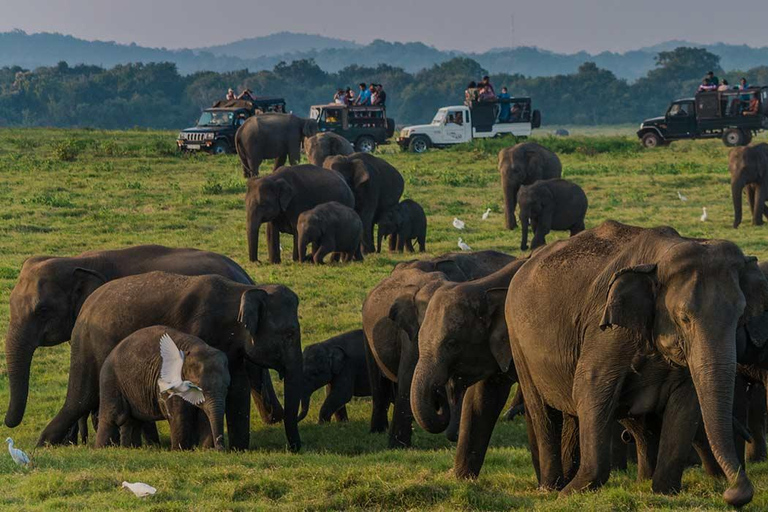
x: 380, y: 393
x: 756, y: 450
x: 760, y: 198
x: 82, y: 426
x: 681, y: 419
x: 577, y: 228
x: 740, y: 413
x: 421, y: 239
x: 455, y: 392
x: 751, y: 196
x: 184, y: 422
x: 150, y: 433
x: 533, y: 446
x: 367, y: 217
x: 280, y: 161
x: 392, y: 246
x: 483, y: 403
x: 569, y: 447
x: 238, y: 411
x: 645, y: 433
x: 263, y: 394
x: 401, y: 241
x: 273, y: 243
x: 517, y: 406
x: 321, y: 253
x: 618, y: 448
x: 510, y: 203
x: 294, y: 157
x: 112, y: 409
x: 704, y: 450
x: 409, y: 245
x: 402, y: 419
x: 295, y: 246
x: 337, y: 395
x: 130, y: 434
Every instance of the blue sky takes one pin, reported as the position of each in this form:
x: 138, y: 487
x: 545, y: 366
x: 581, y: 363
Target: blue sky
x: 564, y: 26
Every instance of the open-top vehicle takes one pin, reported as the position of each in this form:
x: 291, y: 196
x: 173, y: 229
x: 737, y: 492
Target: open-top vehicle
x: 480, y: 119
x: 733, y: 115
x: 216, y: 127
x: 364, y: 126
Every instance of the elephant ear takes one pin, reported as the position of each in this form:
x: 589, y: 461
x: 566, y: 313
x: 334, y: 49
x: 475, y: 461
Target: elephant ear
x: 337, y: 357
x: 631, y: 301
x: 451, y: 269
x: 309, y: 128
x: 533, y: 163
x: 404, y: 312
x: 284, y: 194
x: 360, y: 175
x: 252, y: 305
x: 754, y: 286
x: 495, y: 298
x: 86, y: 282
x: 757, y: 330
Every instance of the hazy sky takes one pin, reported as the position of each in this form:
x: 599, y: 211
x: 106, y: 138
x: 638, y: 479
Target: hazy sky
x: 560, y: 25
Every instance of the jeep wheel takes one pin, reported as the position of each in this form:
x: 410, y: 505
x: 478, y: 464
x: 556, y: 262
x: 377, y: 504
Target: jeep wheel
x: 651, y: 140
x: 220, y: 148
x: 734, y: 137
x: 419, y: 144
x: 365, y: 144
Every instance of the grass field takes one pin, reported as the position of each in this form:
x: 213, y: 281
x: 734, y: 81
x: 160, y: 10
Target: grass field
x: 63, y: 192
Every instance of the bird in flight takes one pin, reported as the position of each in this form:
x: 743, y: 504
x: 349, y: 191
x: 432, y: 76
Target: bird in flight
x: 170, y: 380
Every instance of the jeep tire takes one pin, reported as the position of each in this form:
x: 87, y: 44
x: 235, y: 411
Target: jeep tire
x: 419, y: 144
x: 651, y: 140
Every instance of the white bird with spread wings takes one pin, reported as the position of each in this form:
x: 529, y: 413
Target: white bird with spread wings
x: 170, y: 380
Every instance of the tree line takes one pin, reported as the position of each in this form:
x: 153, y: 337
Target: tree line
x: 156, y: 95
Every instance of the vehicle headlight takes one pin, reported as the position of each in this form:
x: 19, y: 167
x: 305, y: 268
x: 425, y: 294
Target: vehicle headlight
x: 405, y: 133
x: 208, y: 136
x: 181, y: 136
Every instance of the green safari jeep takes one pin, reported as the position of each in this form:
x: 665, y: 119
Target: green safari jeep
x: 364, y: 126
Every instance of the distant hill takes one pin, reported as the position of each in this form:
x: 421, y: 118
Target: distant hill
x: 46, y: 49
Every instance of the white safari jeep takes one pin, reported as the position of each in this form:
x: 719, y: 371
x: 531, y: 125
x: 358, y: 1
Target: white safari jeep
x: 461, y: 123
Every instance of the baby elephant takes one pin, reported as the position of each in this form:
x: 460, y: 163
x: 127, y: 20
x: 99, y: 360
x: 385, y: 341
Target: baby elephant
x: 141, y: 382
x: 338, y: 364
x: 330, y: 228
x: 551, y: 204
x: 403, y: 223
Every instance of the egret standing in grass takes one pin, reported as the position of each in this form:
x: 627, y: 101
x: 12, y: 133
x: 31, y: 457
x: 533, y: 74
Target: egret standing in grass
x: 486, y: 214
x: 140, y: 489
x: 681, y: 196
x: 18, y: 456
x: 463, y: 246
x: 458, y: 224
x: 170, y: 380
x: 704, y: 215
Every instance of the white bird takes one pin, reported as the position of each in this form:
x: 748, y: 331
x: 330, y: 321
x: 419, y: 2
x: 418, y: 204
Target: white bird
x: 681, y: 196
x: 463, y: 246
x: 486, y: 214
x: 140, y: 489
x: 704, y: 215
x: 458, y: 224
x: 18, y: 456
x: 170, y: 373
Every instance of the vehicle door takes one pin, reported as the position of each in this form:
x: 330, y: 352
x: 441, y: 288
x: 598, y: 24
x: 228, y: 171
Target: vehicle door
x: 456, y: 127
x: 681, y: 119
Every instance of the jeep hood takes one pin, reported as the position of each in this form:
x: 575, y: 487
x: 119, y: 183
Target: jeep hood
x: 654, y: 121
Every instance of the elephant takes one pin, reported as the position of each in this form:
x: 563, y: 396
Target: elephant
x: 464, y: 338
x: 246, y: 322
x: 461, y: 266
x: 524, y: 164
x: 330, y: 228
x: 325, y: 144
x: 51, y: 290
x: 551, y: 204
x: 749, y: 168
x: 272, y: 135
x: 392, y: 315
x: 621, y: 321
x: 376, y: 184
x: 403, y: 223
x: 129, y: 392
x: 338, y: 364
x: 281, y: 197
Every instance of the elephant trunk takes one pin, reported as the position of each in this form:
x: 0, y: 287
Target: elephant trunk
x: 253, y: 224
x: 510, y: 199
x: 18, y: 359
x: 713, y: 369
x: 304, y: 406
x: 737, y: 185
x: 214, y: 411
x: 303, y: 243
x: 428, y: 399
x: 524, y: 222
x: 293, y: 390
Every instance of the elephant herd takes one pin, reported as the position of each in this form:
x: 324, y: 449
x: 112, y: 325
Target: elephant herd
x: 618, y: 332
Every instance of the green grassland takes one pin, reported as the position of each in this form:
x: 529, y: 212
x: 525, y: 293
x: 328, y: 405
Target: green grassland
x: 64, y: 191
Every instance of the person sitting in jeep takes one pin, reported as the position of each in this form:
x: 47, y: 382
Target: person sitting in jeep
x: 754, y: 106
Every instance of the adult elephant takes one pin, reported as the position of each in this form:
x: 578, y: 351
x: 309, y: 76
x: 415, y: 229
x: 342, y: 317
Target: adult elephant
x: 246, y: 322
x: 321, y: 146
x: 281, y: 197
x: 749, y: 168
x: 51, y: 290
x: 273, y: 135
x: 524, y: 164
x: 594, y: 323
x: 392, y: 316
x: 464, y: 338
x: 376, y: 184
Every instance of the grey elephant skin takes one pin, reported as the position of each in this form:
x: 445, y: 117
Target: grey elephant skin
x: 330, y: 228
x: 129, y: 392
x: 392, y: 316
x: 464, y: 337
x: 547, y: 205
x: 376, y: 184
x: 246, y: 322
x: 273, y: 135
x: 594, y: 323
x: 279, y: 199
x: 51, y: 290
x: 749, y: 169
x: 321, y: 146
x: 338, y: 364
x: 524, y: 164
x: 403, y: 223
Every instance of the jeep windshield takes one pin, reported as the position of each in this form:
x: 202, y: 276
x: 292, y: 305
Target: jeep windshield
x: 214, y: 118
x: 440, y: 116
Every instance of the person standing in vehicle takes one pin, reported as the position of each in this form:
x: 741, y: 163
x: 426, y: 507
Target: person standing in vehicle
x: 230, y: 94
x: 381, y: 96
x: 504, y: 108
x: 364, y: 96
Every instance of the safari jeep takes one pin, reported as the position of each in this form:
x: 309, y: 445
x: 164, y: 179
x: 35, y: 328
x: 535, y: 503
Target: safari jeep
x: 364, y: 126
x: 216, y: 127
x: 462, y: 123
x: 733, y: 115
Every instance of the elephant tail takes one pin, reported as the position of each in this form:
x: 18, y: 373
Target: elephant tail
x: 247, y: 171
